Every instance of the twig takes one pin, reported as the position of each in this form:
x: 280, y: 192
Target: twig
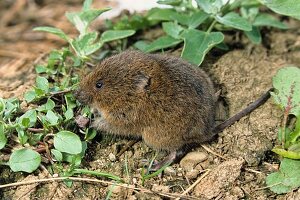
x: 164, y: 194
x: 36, y: 130
x: 195, y: 183
x: 253, y: 171
x: 212, y: 152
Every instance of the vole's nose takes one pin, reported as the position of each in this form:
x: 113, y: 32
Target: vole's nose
x: 82, y: 96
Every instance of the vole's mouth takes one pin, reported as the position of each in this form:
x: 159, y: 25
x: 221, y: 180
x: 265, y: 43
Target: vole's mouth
x: 96, y: 112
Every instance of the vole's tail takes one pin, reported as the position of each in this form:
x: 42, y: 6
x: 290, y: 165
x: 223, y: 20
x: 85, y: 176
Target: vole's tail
x: 243, y: 112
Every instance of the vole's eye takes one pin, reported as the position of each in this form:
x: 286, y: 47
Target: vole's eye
x: 99, y: 84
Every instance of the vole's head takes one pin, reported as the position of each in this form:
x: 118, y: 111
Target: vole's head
x: 116, y: 81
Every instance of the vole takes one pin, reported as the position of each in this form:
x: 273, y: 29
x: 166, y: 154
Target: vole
x: 164, y: 100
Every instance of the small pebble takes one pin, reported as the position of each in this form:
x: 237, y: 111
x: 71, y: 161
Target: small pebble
x: 170, y: 171
x: 190, y: 161
x: 112, y: 157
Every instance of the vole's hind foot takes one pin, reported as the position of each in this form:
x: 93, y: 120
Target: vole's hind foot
x: 172, y: 158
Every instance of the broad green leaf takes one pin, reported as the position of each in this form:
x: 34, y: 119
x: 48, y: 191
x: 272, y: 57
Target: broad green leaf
x: 141, y: 45
x: 111, y: 35
x: 196, y: 19
x: 31, y: 116
x: 54, y: 31
x: 42, y: 83
x: 84, y: 46
x: 211, y: 6
x: 92, y: 48
x: 284, y: 7
x: 81, y: 20
x: 57, y: 155
x: 287, y: 89
x: 287, y: 178
x: 49, y: 105
x: 30, y: 96
x: 268, y: 20
x: 69, y: 114
x: 52, y: 118
x: 234, y: 20
x: 3, y: 138
x: 254, y: 35
x: 161, y: 14
x: 40, y: 69
x: 25, y: 160
x: 172, y: 29
x: 90, y: 133
x: 162, y: 43
x: 68, y: 142
x: 87, y: 39
x: 198, y: 43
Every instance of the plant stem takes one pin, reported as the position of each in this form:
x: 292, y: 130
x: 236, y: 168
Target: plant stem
x: 211, y: 26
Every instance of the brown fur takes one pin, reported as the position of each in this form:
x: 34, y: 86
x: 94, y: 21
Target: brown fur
x: 163, y: 99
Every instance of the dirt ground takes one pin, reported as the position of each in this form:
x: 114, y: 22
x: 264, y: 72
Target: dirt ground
x: 233, y: 166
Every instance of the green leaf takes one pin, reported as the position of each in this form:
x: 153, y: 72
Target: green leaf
x: 52, y: 118
x: 141, y: 45
x: 254, y: 35
x: 161, y: 14
x: 90, y: 133
x: 31, y: 116
x: 268, y: 20
x: 3, y: 139
x: 84, y: 45
x: 49, y: 105
x: 2, y: 106
x: 25, y: 160
x: 57, y: 155
x: 22, y: 136
x: 54, y: 31
x: 81, y: 20
x: 284, y: 7
x: 198, y: 43
x: 69, y: 114
x: 172, y: 29
x: 196, y: 19
x: 111, y: 35
x: 287, y: 154
x: 42, y: 83
x: 287, y: 178
x: 30, y: 96
x: 87, y: 4
x: 40, y: 69
x: 287, y: 89
x: 68, y: 142
x: 162, y: 43
x: 210, y: 6
x: 234, y: 20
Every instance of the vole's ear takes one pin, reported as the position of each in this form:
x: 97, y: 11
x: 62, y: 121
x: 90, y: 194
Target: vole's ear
x: 142, y: 82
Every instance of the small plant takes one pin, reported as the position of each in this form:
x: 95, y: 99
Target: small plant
x: 47, y: 127
x: 287, y: 96
x: 199, y: 27
x: 86, y: 43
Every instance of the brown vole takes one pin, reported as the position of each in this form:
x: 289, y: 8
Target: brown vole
x: 164, y: 100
